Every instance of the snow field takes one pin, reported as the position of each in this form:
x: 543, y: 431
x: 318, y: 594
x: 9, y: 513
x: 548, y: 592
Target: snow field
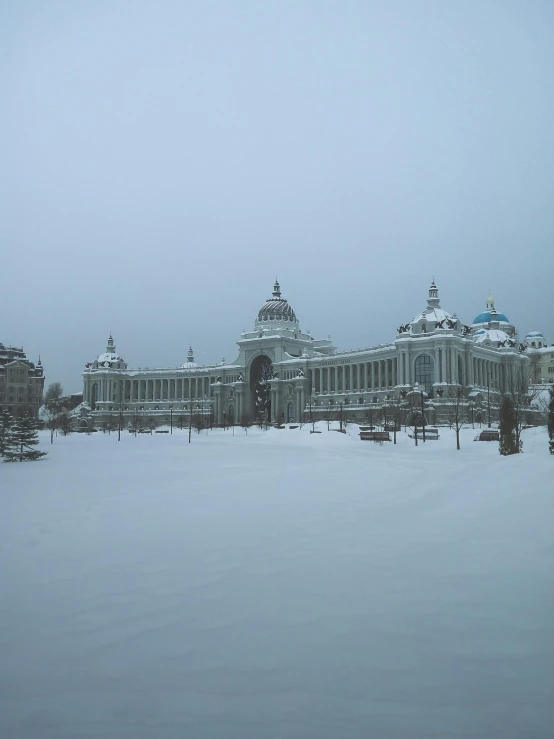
x: 277, y: 585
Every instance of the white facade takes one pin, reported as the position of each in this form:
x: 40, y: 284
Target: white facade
x: 289, y: 375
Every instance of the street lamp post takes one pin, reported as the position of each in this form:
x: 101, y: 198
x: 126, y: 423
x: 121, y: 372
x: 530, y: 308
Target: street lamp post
x: 472, y: 407
x: 121, y: 399
x: 422, y: 416
x: 489, y: 398
x: 171, y: 418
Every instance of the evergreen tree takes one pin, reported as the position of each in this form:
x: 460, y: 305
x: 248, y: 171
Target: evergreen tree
x: 22, y: 438
x: 6, y: 421
x: 551, y: 421
x: 508, y: 428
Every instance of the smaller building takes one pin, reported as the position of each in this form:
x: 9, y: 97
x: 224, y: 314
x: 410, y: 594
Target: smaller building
x: 541, y: 356
x: 21, y: 382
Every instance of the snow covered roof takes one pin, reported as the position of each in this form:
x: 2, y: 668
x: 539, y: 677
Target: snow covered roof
x: 189, y: 365
x: 534, y: 335
x: 109, y: 358
x: 433, y: 314
x: 493, y: 335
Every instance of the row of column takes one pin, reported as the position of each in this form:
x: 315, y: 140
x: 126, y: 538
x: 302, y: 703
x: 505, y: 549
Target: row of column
x: 486, y: 371
x: 357, y: 377
x: 108, y: 389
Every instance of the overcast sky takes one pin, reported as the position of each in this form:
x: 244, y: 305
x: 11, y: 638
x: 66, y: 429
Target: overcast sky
x: 163, y: 162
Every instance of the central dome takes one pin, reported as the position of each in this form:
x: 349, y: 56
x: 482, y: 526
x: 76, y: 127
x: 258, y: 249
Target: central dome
x: 276, y: 308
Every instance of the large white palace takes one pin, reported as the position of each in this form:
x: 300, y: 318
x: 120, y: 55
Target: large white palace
x: 286, y: 375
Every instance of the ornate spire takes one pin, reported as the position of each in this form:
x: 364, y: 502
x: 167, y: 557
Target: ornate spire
x: 277, y: 290
x: 490, y: 301
x: 433, y: 299
x: 110, y: 346
x: 190, y: 355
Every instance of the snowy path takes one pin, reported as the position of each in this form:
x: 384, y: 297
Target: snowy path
x: 279, y: 585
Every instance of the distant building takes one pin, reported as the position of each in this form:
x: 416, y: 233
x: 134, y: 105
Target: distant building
x: 541, y: 356
x: 285, y: 374
x: 21, y: 382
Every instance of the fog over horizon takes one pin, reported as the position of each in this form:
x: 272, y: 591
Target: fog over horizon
x: 164, y: 162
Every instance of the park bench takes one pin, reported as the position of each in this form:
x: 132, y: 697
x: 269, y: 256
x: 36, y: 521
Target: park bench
x: 367, y: 428
x: 488, y: 435
x: 162, y: 432
x: 374, y: 436
x: 431, y: 433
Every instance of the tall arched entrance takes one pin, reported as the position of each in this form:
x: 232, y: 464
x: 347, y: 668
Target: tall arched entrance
x: 425, y: 372
x: 261, y: 373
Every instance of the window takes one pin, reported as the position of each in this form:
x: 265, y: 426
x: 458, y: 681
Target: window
x: 424, y: 371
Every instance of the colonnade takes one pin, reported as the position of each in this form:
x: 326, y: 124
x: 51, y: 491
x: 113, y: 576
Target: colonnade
x: 110, y: 389
x: 485, y: 371
x: 357, y: 377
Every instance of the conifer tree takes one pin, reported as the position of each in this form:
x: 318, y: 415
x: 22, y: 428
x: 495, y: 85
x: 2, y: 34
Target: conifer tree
x: 6, y: 421
x: 508, y: 427
x: 551, y: 421
x: 22, y: 438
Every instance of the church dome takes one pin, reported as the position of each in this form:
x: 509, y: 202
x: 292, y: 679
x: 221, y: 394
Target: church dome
x: 485, y: 317
x: 433, y: 317
x: 276, y: 308
x: 490, y: 314
x: 534, y: 335
x: 190, y: 363
x: 110, y: 359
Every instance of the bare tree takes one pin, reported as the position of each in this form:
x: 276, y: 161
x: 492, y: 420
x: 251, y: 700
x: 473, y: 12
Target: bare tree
x: 550, y: 422
x: 245, y: 423
x: 534, y: 366
x: 520, y: 390
x: 53, y: 403
x: 371, y: 416
x: 454, y: 409
x: 262, y: 390
x: 395, y: 411
x: 198, y: 422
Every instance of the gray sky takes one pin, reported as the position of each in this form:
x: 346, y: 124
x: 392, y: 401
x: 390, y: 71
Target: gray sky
x: 164, y: 161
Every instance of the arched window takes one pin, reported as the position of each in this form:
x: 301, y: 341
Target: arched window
x: 424, y: 371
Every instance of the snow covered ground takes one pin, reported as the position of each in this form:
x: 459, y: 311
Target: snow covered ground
x: 277, y: 585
